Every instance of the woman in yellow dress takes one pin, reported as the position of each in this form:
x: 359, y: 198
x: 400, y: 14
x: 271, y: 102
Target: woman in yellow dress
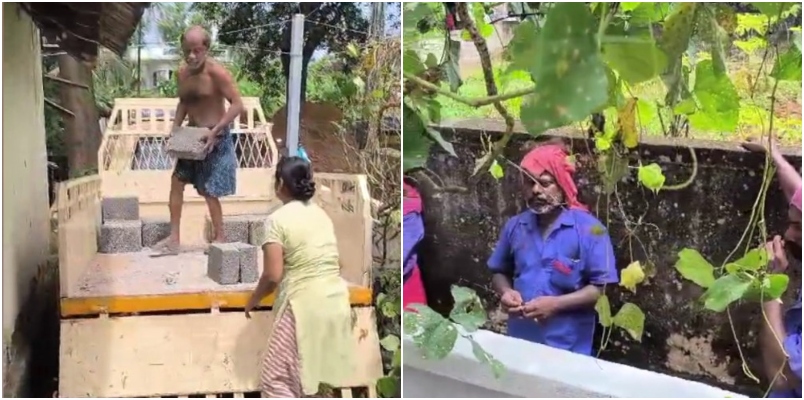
x: 312, y: 341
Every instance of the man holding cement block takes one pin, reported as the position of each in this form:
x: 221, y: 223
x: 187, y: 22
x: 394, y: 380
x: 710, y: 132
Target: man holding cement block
x: 203, y: 85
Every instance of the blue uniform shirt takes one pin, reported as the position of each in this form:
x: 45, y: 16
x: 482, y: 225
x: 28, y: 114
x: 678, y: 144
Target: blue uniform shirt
x: 792, y: 346
x: 576, y: 252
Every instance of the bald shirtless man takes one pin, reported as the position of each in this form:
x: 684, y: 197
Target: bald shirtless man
x: 203, y: 85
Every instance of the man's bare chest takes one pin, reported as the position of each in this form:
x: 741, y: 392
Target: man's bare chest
x: 197, y: 88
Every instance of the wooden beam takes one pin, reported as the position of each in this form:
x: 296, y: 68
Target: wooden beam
x: 58, y: 107
x: 66, y: 81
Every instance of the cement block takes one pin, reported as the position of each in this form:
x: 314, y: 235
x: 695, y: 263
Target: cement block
x: 187, y: 143
x: 120, y: 208
x: 249, y: 271
x: 223, y: 264
x: 154, y: 231
x: 235, y: 229
x: 256, y: 228
x: 120, y: 237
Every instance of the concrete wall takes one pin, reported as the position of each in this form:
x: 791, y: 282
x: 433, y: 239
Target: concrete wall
x: 536, y: 371
x: 680, y: 338
x: 25, y: 187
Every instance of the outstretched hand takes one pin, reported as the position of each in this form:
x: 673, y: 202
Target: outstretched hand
x: 760, y: 146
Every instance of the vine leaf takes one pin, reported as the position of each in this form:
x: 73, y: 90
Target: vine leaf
x: 711, y: 32
x: 719, y: 102
x: 636, y: 60
x: 651, y: 176
x: 694, y: 267
x: 386, y: 386
x: 390, y: 343
x: 411, y: 62
x: 725, y: 290
x: 631, y: 319
x: 787, y: 66
x: 432, y: 333
x: 496, y: 170
x: 631, y: 276
x: 648, y: 13
x: 612, y: 168
x: 772, y: 9
x: 774, y: 285
x: 522, y: 47
x: 626, y: 119
x: 603, y: 308
x: 468, y: 310
x: 452, y: 65
x: 569, y: 73
x: 497, y: 368
x: 752, y: 260
x: 416, y: 147
x: 479, y: 15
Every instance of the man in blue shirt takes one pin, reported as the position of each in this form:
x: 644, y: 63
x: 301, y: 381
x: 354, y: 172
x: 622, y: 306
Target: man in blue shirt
x: 552, y: 261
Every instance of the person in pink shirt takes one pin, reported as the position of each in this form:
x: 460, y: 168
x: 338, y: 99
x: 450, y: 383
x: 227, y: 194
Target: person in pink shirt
x: 412, y: 235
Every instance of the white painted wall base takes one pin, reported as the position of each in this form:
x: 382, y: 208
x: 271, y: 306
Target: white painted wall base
x: 536, y: 371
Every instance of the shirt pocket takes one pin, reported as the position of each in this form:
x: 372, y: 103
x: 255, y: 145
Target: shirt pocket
x: 565, y: 273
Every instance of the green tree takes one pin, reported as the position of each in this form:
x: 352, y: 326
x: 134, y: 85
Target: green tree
x: 262, y: 28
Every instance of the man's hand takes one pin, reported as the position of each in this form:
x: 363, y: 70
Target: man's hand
x: 777, y: 257
x: 541, y: 308
x: 511, y: 301
x: 760, y: 146
x: 210, y: 140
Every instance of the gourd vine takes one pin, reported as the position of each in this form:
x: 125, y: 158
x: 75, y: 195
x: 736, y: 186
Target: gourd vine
x: 587, y: 65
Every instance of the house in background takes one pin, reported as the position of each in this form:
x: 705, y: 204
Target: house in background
x: 30, y: 287
x: 160, y: 61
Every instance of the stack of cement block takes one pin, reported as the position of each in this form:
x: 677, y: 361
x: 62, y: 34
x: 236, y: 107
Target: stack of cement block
x: 235, y: 228
x: 232, y: 263
x: 187, y: 143
x: 121, y: 229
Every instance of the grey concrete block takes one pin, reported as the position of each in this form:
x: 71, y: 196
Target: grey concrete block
x: 120, y: 237
x: 256, y: 231
x: 235, y: 229
x: 187, y: 143
x: 154, y: 231
x: 120, y: 208
x: 223, y: 264
x: 249, y: 271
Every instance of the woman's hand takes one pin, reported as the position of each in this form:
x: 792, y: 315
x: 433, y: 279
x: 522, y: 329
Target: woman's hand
x: 250, y: 306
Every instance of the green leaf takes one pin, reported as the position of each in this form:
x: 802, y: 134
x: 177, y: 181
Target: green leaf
x: 390, y: 343
x: 415, y: 145
x: 719, y: 102
x: 436, y: 135
x: 497, y: 368
x: 694, y: 267
x: 772, y: 9
x: 725, y: 290
x: 685, y: 107
x: 626, y: 119
x: 631, y: 276
x: 569, y: 72
x: 612, y: 168
x: 411, y: 63
x: 751, y: 261
x: 522, y: 47
x: 431, y: 61
x: 648, y: 13
x: 452, y: 65
x: 432, y: 333
x: 387, y: 386
x: 630, y: 6
x: 496, y: 170
x: 603, y: 308
x: 774, y: 286
x: 602, y: 143
x: 632, y: 319
x: 636, y: 60
x: 411, y: 17
x: 651, y: 177
x: 787, y: 66
x: 468, y: 310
